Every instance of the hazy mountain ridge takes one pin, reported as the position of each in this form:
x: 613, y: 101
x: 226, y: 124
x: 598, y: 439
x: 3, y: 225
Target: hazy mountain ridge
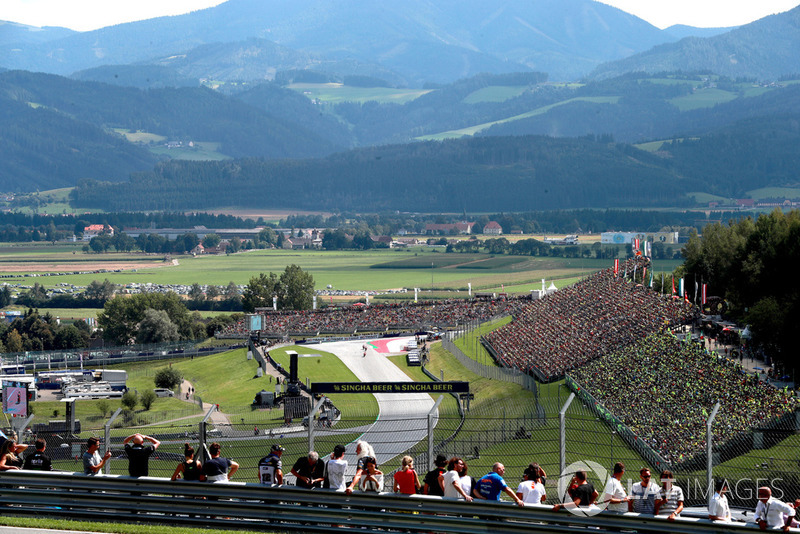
x: 424, y: 40
x: 766, y: 49
x: 14, y: 33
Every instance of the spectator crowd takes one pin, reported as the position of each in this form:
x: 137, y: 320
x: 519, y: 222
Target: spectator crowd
x: 577, y: 324
x: 382, y: 317
x: 664, y: 390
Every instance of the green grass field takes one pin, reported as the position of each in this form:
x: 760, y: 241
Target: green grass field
x: 202, y: 151
x: 472, y: 130
x: 494, y: 93
x: 774, y: 192
x: 703, y: 98
x: 363, y: 270
x: 335, y: 93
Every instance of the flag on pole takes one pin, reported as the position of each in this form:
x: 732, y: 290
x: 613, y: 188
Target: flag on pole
x: 651, y: 279
x: 616, y: 267
x: 705, y: 290
x: 635, y: 243
x: 662, y: 283
x: 681, y: 287
x: 673, y: 285
x: 696, y: 287
x: 633, y: 278
x: 644, y: 275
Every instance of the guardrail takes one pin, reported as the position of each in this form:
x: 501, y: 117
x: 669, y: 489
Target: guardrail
x: 239, y: 505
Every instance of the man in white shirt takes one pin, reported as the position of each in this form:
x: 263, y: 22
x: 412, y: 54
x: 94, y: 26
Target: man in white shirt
x: 772, y: 513
x: 718, y: 509
x: 614, y: 494
x: 334, y: 470
x: 644, y: 494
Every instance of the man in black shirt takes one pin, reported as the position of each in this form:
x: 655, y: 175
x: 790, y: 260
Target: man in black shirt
x: 431, y: 483
x: 583, y: 494
x: 38, y: 460
x: 310, y: 472
x: 139, y: 453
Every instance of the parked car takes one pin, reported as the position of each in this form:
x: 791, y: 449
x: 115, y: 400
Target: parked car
x: 164, y: 392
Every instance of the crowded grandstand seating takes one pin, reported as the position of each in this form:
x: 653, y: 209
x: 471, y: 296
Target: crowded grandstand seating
x: 664, y: 389
x: 382, y: 317
x: 577, y: 324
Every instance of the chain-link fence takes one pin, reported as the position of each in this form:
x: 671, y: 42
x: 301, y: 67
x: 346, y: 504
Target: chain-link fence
x: 515, y: 436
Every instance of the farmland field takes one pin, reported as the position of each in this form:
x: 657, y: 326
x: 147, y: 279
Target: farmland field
x: 373, y: 270
x: 494, y: 94
x: 472, y: 130
x: 334, y: 93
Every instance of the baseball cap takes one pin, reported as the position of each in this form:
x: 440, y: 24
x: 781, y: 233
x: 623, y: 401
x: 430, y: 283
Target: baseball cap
x: 277, y: 448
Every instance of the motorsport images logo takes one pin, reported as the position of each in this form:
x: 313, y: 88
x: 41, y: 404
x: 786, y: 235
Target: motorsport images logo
x: 566, y: 479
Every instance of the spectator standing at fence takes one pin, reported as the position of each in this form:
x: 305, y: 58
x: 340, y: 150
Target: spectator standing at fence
x: 614, y: 493
x: 491, y: 484
x: 270, y: 469
x: 218, y: 469
x: 309, y: 470
x: 92, y: 462
x: 719, y: 510
x: 583, y: 495
x: 139, y: 453
x: 406, y: 480
x: 372, y: 478
x: 454, y: 481
x: 531, y: 490
x: 190, y: 468
x: 670, y: 499
x: 433, y: 484
x: 643, y: 494
x: 38, y: 460
x: 335, y: 469
x: 772, y: 513
x: 9, y: 455
x: 363, y: 451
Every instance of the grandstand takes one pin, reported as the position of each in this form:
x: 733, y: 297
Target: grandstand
x: 664, y: 389
x: 597, y: 316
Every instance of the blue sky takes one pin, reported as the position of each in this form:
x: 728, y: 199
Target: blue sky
x: 92, y: 14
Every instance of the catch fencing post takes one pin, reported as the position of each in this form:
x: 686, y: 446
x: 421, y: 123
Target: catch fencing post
x: 562, y: 434
x: 430, y: 430
x: 710, y: 457
x: 202, y: 426
x: 107, y: 437
x: 311, y: 423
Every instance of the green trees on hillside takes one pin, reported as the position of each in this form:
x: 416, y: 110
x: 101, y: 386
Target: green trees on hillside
x: 294, y: 289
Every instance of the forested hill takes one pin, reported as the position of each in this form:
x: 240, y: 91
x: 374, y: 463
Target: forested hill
x: 196, y: 114
x: 44, y: 149
x: 512, y: 174
x: 766, y: 49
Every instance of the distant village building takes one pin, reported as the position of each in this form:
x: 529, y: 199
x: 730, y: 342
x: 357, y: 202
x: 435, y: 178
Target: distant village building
x: 94, y: 230
x: 493, y: 228
x: 463, y: 227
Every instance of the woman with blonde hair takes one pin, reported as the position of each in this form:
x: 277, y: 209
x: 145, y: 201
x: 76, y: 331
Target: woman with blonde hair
x: 406, y: 481
x: 9, y: 459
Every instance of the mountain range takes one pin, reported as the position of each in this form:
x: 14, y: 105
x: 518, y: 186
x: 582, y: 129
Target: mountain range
x: 417, y: 41
x: 222, y: 86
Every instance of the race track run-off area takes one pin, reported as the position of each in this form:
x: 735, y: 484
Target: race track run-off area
x: 402, y: 419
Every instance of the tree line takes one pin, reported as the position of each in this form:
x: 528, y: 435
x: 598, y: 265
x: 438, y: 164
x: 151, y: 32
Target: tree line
x: 751, y: 263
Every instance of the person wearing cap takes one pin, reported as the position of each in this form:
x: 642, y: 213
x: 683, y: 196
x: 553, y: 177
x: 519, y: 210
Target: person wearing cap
x: 531, y: 490
x: 433, y: 483
x: 92, y: 462
x: 270, y: 467
x: 310, y: 472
